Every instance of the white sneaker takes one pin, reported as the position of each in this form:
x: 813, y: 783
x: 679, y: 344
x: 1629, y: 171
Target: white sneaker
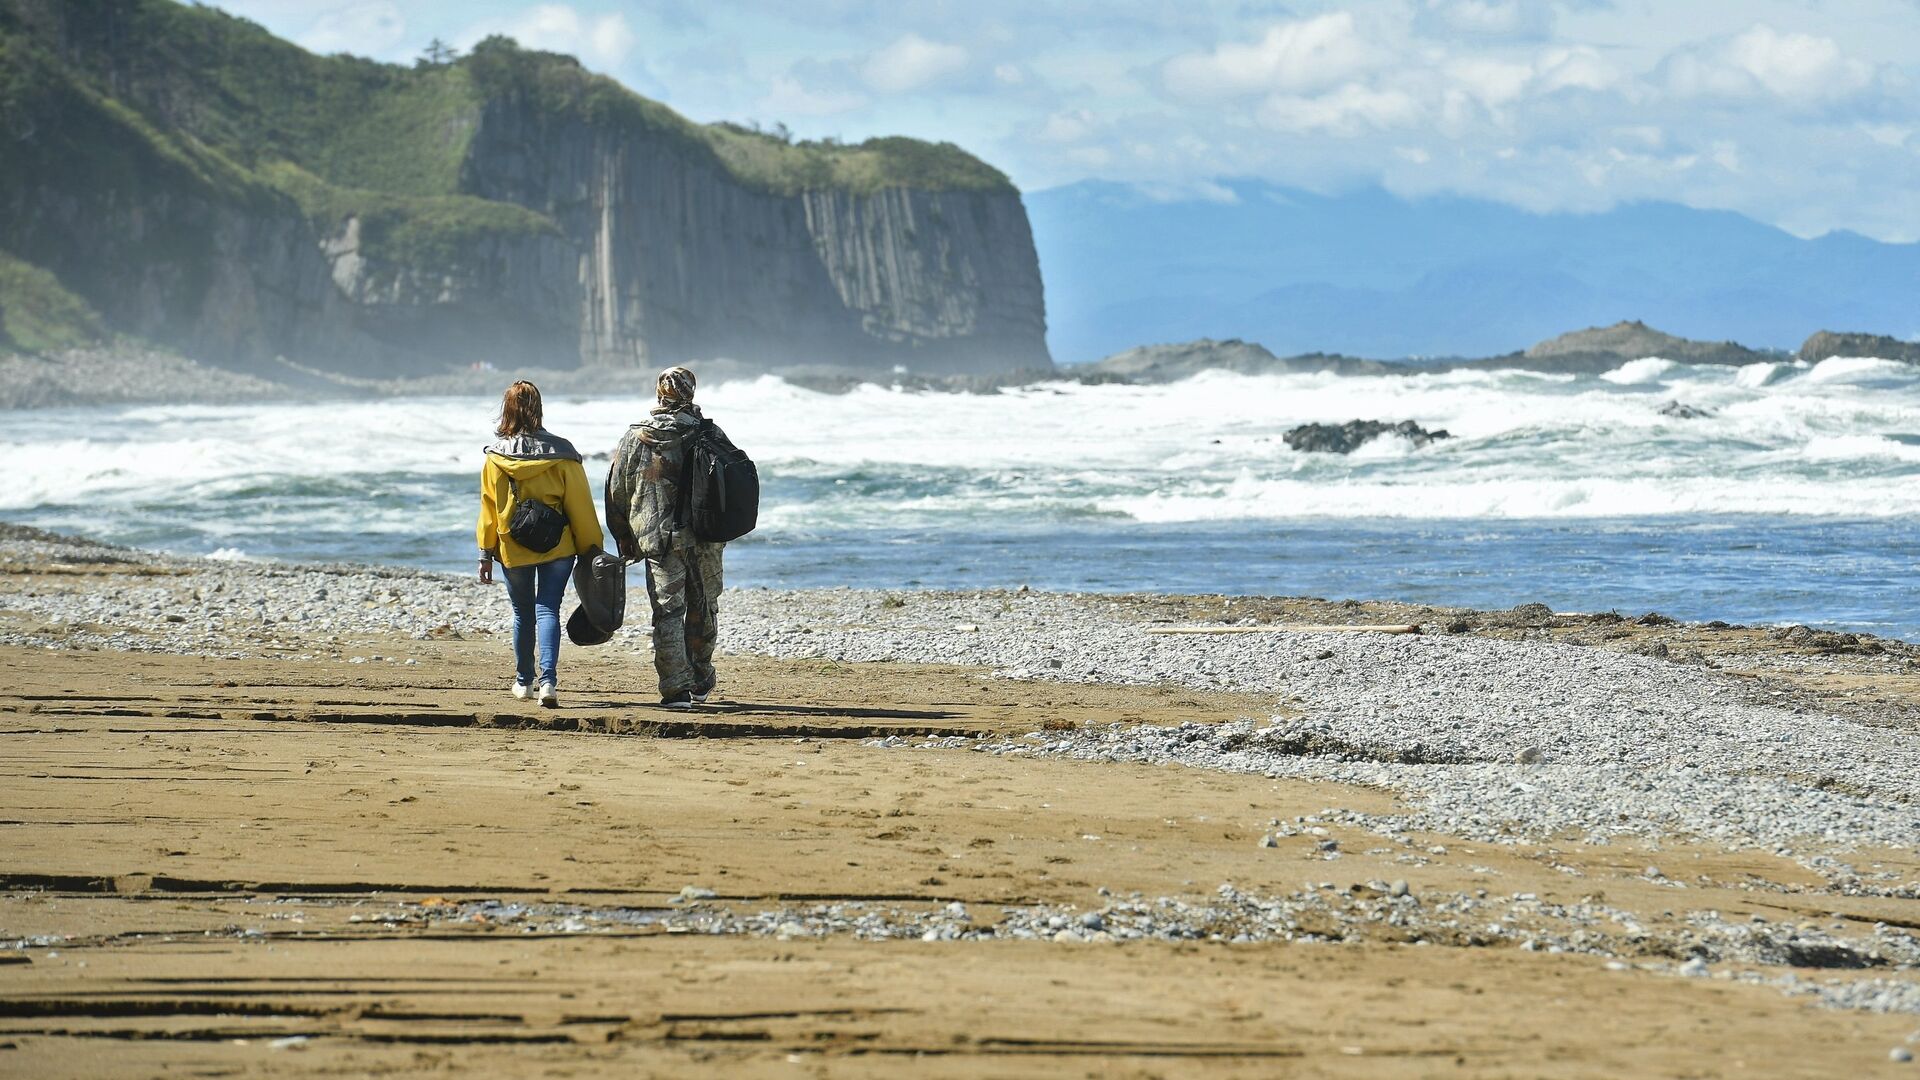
x: 521, y: 690
x: 548, y: 699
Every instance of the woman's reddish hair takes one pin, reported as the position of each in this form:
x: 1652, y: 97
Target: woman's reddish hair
x: 519, y: 410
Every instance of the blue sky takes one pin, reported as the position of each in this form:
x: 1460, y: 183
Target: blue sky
x: 1802, y: 113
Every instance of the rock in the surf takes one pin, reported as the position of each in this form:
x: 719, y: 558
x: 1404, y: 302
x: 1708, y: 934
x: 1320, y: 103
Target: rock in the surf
x: 1680, y: 410
x: 1350, y: 436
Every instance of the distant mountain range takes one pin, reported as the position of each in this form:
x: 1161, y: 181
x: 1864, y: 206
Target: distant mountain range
x: 1370, y: 274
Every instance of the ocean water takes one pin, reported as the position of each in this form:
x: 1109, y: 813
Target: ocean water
x: 1798, y: 500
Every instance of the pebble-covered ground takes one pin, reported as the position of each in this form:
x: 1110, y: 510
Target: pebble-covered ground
x: 1496, y: 737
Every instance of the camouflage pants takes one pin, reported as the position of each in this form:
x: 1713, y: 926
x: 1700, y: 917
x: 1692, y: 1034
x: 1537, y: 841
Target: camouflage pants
x: 684, y: 587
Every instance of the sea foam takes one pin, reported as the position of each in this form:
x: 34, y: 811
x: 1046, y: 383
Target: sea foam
x: 1784, y: 439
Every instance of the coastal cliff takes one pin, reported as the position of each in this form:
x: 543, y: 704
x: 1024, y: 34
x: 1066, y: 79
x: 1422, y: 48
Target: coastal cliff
x: 194, y: 182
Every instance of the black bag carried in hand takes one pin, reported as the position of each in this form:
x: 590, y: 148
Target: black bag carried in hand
x: 719, y: 487
x: 534, y: 525
x: 600, y: 581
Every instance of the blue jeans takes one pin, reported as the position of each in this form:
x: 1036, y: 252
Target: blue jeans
x: 536, y: 592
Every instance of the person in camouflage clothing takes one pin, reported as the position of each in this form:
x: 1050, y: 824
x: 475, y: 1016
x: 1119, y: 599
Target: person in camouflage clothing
x: 683, y: 574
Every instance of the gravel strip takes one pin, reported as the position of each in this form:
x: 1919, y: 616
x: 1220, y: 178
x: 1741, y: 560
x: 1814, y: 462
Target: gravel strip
x: 1702, y: 945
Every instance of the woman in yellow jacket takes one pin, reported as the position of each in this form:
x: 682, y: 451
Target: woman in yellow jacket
x: 529, y: 462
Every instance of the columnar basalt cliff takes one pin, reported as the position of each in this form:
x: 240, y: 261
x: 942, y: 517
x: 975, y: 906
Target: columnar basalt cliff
x: 679, y: 258
x: 198, y: 183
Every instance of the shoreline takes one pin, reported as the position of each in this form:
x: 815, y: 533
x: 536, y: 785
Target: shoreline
x: 135, y: 374
x: 909, y: 806
x: 1651, y: 633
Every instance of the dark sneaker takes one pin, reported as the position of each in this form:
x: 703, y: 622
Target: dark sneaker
x: 681, y: 700
x: 702, y: 693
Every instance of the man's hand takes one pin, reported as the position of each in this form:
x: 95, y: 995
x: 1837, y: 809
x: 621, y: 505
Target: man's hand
x: 486, y: 571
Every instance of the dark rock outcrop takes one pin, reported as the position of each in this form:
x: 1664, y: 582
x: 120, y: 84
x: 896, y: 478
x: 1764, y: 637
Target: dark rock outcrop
x: 1587, y: 352
x: 1635, y: 340
x: 1680, y: 410
x: 1350, y: 436
x: 1172, y: 362
x: 1603, y: 348
x: 1827, y: 344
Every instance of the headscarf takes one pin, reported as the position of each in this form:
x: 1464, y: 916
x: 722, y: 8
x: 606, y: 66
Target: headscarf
x: 675, y: 387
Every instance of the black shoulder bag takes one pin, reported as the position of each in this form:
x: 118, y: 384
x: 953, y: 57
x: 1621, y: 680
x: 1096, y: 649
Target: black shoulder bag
x: 534, y: 525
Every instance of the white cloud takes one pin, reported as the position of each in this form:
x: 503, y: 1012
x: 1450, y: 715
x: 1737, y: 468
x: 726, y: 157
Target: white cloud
x: 1090, y: 157
x: 1580, y: 68
x: 1291, y: 57
x: 1487, y: 18
x: 789, y: 97
x: 1202, y: 190
x: 1067, y: 126
x: 368, y: 29
x: 600, y: 40
x: 912, y: 62
x: 1348, y: 111
x: 1794, y: 67
x: 1798, y: 65
x: 1887, y: 134
x: 1490, y: 81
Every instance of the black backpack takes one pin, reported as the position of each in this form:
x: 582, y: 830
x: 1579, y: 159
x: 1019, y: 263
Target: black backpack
x: 719, y: 487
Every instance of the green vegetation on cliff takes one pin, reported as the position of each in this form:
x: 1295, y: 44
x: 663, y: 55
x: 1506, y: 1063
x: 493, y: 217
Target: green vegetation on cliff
x: 37, y: 314
x: 228, y: 84
x: 209, y: 77
x: 558, y: 85
x: 247, y: 115
x: 421, y: 230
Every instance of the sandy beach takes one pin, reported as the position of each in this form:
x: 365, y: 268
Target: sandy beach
x: 277, y: 820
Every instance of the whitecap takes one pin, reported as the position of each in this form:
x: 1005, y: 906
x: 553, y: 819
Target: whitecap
x: 1641, y: 372
x: 1859, y: 448
x: 1861, y: 370
x: 1520, y: 498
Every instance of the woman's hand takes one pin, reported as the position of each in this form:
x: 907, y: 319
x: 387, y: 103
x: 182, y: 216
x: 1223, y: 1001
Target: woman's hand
x: 486, y: 571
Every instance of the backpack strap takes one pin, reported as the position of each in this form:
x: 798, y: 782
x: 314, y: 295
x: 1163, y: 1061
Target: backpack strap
x: 683, y: 499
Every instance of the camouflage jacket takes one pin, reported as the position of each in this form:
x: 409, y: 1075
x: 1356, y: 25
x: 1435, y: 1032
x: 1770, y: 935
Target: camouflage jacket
x: 643, y: 485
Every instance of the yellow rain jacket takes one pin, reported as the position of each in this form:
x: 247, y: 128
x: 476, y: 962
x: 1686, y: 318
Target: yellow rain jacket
x: 544, y: 467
